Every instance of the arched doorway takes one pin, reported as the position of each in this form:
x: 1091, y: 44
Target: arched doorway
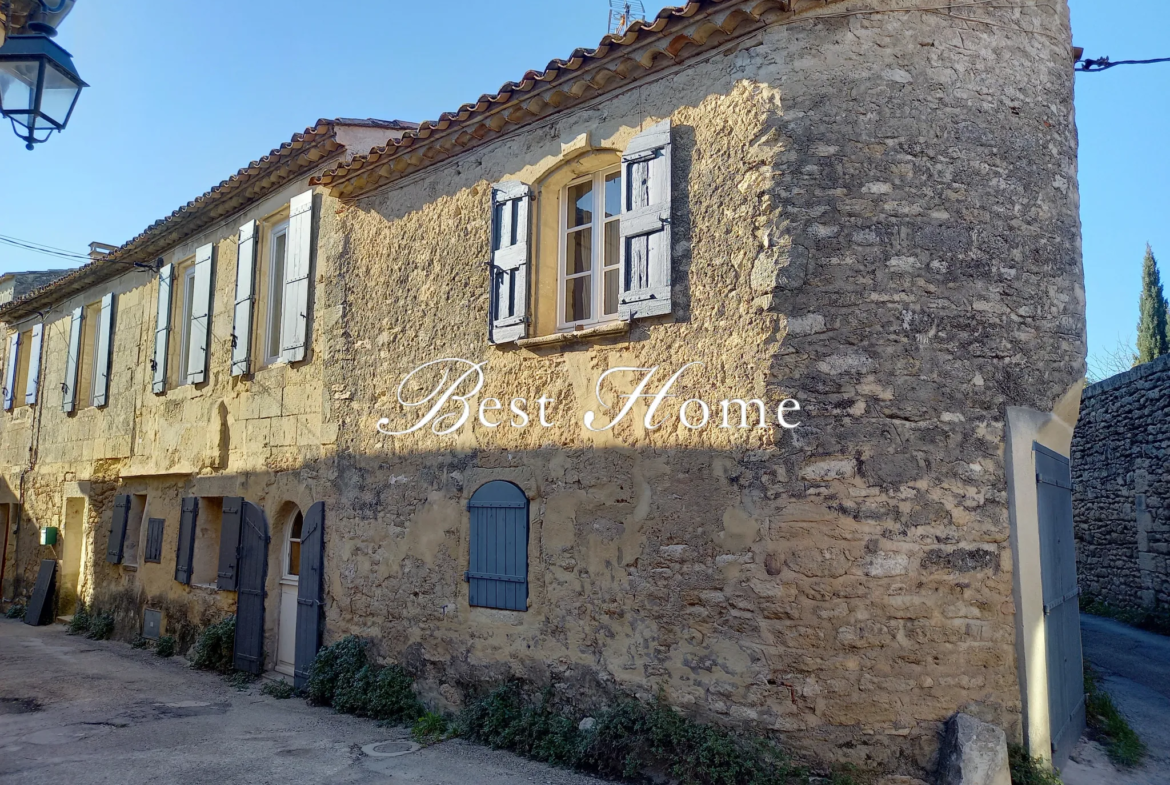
x: 290, y: 570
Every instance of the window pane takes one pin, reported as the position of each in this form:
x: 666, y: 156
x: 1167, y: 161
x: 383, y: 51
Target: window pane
x: 611, y: 291
x: 577, y: 303
x: 276, y: 282
x: 613, y: 243
x: 580, y: 204
x: 294, y: 558
x: 613, y: 194
x: 298, y: 523
x: 578, y: 252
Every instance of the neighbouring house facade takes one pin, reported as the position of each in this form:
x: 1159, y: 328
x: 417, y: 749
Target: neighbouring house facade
x: 708, y: 362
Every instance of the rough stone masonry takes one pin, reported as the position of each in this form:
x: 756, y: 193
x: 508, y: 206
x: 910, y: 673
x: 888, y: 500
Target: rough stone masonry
x: 1121, y: 488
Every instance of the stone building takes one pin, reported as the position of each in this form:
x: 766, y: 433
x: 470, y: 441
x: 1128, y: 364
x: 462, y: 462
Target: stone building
x: 847, y: 218
x: 1122, y: 489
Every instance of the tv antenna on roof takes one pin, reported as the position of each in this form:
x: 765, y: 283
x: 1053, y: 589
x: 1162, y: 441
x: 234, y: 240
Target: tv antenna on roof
x: 623, y: 13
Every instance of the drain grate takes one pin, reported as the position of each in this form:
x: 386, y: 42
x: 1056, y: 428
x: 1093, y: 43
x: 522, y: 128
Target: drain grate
x: 390, y: 749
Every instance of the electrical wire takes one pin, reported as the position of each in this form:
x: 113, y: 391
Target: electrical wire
x: 48, y: 250
x: 1088, y: 66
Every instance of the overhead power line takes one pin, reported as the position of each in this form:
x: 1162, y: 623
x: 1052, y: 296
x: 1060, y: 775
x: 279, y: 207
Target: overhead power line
x: 1088, y: 66
x: 47, y: 250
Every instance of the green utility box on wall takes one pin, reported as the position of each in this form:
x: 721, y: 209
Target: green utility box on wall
x: 49, y: 535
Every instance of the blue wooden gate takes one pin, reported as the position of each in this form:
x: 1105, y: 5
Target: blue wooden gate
x: 498, y: 561
x: 1062, y: 619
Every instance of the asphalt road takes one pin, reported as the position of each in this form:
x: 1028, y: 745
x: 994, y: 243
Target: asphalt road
x: 79, y: 711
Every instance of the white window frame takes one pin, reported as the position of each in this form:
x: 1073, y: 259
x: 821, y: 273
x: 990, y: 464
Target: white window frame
x: 597, y: 266
x: 285, y: 575
x: 188, y: 291
x: 93, y: 352
x: 274, y: 319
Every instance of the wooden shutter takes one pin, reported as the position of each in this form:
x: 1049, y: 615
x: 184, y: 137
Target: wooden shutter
x: 511, y: 256
x: 645, y: 225
x: 498, y: 561
x: 39, y: 610
x: 154, y: 538
x: 72, y: 361
x: 245, y: 288
x: 34, y: 365
x: 101, y: 360
x: 10, y: 371
x: 118, y: 529
x: 248, y: 651
x: 185, y: 550
x: 200, y: 339
x: 294, y: 316
x: 310, y: 594
x: 229, y: 543
x: 162, y: 328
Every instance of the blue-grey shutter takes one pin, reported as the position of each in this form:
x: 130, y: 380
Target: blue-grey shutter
x: 294, y: 318
x: 310, y: 594
x: 154, y: 538
x: 101, y: 359
x: 498, y: 560
x: 511, y: 256
x: 34, y: 365
x: 10, y: 371
x: 245, y: 289
x: 185, y: 550
x: 248, y: 649
x: 644, y: 288
x: 39, y: 610
x: 162, y: 328
x: 72, y: 361
x: 118, y: 524
x: 229, y: 543
x: 200, y: 339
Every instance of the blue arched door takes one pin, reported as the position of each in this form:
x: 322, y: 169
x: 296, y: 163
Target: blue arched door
x: 498, y: 561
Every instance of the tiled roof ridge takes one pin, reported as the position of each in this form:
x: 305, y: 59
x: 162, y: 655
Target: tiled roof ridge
x: 341, y: 178
x: 316, y: 143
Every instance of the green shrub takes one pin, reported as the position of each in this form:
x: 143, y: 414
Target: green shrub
x: 343, y: 677
x: 214, y: 650
x: 431, y: 728
x: 1155, y: 620
x: 165, y: 646
x: 140, y: 643
x: 15, y: 611
x: 335, y: 668
x: 79, y: 624
x: 241, y: 680
x: 281, y: 690
x: 1027, y: 770
x: 101, y: 626
x: 1124, y: 746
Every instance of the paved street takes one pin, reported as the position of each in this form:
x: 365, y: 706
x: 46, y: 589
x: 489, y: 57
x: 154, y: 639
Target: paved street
x: 78, y: 711
x: 1135, y: 669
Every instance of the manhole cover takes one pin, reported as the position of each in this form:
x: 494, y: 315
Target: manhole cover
x: 390, y: 749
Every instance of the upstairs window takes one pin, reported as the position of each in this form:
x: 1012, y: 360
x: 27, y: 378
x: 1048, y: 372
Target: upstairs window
x: 590, y: 249
x: 274, y: 313
x: 186, y: 317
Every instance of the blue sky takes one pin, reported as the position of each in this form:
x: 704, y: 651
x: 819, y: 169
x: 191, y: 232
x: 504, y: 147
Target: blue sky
x: 184, y: 94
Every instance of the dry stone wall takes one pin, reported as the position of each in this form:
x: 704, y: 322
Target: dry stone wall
x: 1121, y: 491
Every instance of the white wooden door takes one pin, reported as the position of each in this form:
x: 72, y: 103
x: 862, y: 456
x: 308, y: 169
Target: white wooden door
x: 287, y: 630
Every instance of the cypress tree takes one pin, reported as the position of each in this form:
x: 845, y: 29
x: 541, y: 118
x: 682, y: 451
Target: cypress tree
x: 1153, y: 337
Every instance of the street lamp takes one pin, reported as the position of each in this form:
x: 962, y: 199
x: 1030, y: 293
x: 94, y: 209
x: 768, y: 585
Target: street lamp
x: 38, y: 86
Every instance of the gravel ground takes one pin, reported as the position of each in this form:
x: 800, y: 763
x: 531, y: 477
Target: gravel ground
x: 79, y: 711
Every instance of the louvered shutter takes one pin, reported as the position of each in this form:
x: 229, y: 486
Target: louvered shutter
x: 72, y: 357
x: 294, y: 318
x: 229, y: 543
x: 34, y: 365
x: 154, y: 538
x: 498, y: 560
x: 185, y: 550
x: 245, y: 286
x: 118, y: 529
x: 310, y: 594
x: 645, y: 225
x: 101, y: 359
x: 511, y: 256
x: 10, y: 371
x: 199, y: 345
x: 162, y: 328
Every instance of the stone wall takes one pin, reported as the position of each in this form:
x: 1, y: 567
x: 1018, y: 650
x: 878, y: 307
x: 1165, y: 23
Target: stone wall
x: 1121, y: 488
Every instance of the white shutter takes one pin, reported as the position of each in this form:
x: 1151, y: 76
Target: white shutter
x: 198, y: 346
x: 34, y: 365
x: 245, y: 284
x: 10, y: 371
x: 294, y: 318
x: 645, y: 225
x: 69, y: 386
x: 511, y: 254
x: 101, y: 359
x: 162, y: 329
